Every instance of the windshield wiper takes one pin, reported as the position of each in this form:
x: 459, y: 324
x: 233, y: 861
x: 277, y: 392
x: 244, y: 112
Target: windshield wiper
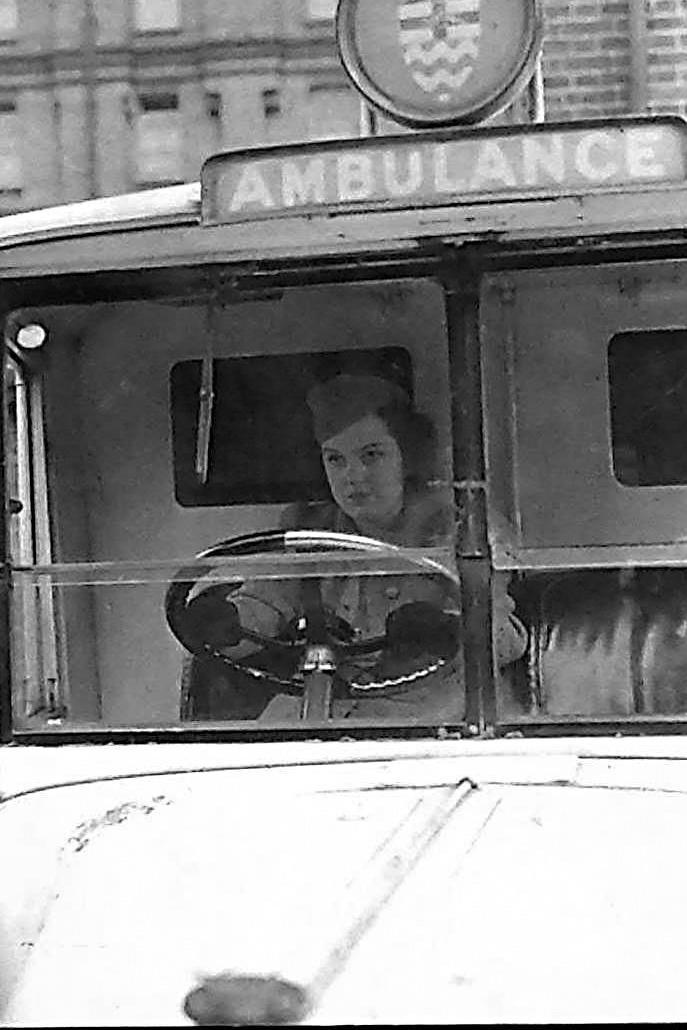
x: 206, y: 403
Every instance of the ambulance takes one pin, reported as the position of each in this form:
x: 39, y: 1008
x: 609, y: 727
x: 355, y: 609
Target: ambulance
x: 207, y: 821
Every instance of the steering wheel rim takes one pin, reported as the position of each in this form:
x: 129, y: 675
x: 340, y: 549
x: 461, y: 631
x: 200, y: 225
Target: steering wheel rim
x: 285, y: 541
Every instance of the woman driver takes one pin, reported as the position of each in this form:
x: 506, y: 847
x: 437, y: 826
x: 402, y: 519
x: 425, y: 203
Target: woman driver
x: 376, y: 451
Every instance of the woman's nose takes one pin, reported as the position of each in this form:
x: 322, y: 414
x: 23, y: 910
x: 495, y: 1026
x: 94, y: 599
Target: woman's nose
x: 355, y: 471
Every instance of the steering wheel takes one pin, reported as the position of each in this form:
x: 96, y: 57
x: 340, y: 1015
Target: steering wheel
x: 317, y: 642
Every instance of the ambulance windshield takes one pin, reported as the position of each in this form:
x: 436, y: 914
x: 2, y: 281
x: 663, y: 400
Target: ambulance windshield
x: 142, y: 434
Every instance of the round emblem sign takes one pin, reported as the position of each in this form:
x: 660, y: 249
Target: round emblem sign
x: 439, y: 62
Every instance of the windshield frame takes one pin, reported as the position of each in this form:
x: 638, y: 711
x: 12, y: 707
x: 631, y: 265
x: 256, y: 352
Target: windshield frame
x: 235, y: 284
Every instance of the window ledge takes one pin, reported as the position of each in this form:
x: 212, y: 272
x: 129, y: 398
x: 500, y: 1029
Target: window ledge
x: 156, y: 33
x: 152, y: 184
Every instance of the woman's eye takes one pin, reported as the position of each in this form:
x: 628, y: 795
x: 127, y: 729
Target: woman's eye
x: 335, y: 460
x: 372, y: 455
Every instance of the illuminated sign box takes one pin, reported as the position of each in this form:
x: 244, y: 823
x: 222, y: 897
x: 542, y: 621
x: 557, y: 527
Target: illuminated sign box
x: 439, y: 168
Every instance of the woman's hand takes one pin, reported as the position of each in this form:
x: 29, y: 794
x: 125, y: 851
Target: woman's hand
x: 422, y: 628
x: 211, y: 618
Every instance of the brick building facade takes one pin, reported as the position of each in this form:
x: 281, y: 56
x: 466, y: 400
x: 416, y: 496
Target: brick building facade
x: 104, y: 96
x: 606, y: 57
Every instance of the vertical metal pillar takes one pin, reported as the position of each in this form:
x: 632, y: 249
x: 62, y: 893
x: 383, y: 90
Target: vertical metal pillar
x: 472, y: 550
x: 5, y: 574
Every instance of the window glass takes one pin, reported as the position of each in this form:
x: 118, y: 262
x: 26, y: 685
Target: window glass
x: 603, y: 643
x: 609, y: 643
x: 157, y: 14
x: 648, y: 401
x: 214, y: 111
x: 159, y: 140
x: 172, y: 424
x: 271, y: 103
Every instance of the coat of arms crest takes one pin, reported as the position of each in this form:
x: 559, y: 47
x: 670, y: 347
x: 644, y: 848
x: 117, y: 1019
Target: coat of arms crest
x: 440, y: 43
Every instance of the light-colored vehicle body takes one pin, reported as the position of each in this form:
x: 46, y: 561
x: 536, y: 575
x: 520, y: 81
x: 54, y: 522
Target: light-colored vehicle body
x: 399, y: 883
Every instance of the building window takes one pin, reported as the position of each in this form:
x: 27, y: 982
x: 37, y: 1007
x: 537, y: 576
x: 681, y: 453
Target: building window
x: 271, y: 103
x: 157, y: 15
x: 11, y: 172
x: 214, y: 111
x: 321, y: 10
x: 213, y: 106
x: 9, y: 19
x: 159, y: 153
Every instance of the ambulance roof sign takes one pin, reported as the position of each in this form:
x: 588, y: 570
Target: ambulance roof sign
x: 439, y: 62
x: 439, y: 168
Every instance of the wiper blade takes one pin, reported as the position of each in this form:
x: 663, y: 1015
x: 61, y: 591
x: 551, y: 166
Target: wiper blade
x: 206, y: 403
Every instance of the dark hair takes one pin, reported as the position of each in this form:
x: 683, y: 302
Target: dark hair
x: 415, y: 435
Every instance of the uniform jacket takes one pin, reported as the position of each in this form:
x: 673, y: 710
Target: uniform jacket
x: 365, y: 601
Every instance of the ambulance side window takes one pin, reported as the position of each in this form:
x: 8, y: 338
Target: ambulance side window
x: 648, y: 403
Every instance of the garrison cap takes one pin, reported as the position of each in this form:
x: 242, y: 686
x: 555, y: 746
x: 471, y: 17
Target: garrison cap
x: 345, y: 399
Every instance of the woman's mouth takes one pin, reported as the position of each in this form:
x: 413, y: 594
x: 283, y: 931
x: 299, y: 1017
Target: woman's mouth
x: 358, y: 497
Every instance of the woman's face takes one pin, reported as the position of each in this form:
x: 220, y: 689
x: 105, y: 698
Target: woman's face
x: 364, y: 466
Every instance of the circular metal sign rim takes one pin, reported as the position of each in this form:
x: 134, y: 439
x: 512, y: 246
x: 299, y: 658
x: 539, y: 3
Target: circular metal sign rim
x: 411, y: 115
